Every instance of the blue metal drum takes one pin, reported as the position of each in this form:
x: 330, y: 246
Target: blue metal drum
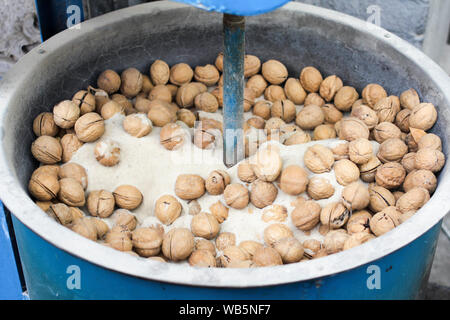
x: 59, y: 263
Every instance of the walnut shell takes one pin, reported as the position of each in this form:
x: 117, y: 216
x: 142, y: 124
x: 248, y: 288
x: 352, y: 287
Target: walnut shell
x: 430, y: 141
x: 123, y: 217
x: 274, y: 71
x: 172, y: 136
x: 203, y: 244
x: 420, y: 178
x: 335, y: 215
x: 86, y: 228
x: 258, y: 84
x: 314, y: 99
x: 252, y: 65
x: 423, y: 116
x: 373, y: 93
x: 219, y: 211
x: 284, y: 109
x: 236, y: 196
x: 385, y: 131
x: 217, y: 182
x: 330, y: 86
x: 387, y: 108
x: 127, y: 197
x: 181, y: 74
x: 187, y: 116
x: 206, y: 102
x: 107, y: 152
x: 267, y: 164
x: 310, y: 117
x: 367, y: 115
x: 276, y: 232
x: 294, y: 91
x: 138, y: 125
x: 111, y: 108
x: 334, y: 241
x: 413, y: 200
x: 311, y: 79
x: 319, y: 159
x: 189, y: 186
x: 61, y: 213
x: 351, y: 129
x: 359, y: 222
x: 232, y: 255
x: 290, y: 250
x: 331, y: 113
x: 274, y: 93
x: 161, y: 113
x: 71, y: 192
x: 267, y: 257
x: 345, y: 98
x: 167, y: 209
x: 208, y: 75
x: 90, y: 127
x: 132, y: 82
x: 225, y: 240
x: 178, y: 244
x: 44, y: 186
x: 245, y: 172
x: 44, y: 125
x: 47, y: 150
x: 355, y: 196
x: 160, y: 72
x: 306, y: 216
x: 65, y: 114
x: 380, y: 198
x: 409, y: 99
x: 357, y: 239
x: 70, y: 144
x: 147, y: 241
x: 368, y: 170
x: 263, y: 194
x: 346, y: 172
x: 294, y: 180
x: 160, y: 92
x: 110, y: 81
x: 202, y: 259
x: 384, y: 221
x: 100, y: 203
x: 320, y: 188
x: 85, y: 101
x: 187, y: 93
x: 390, y: 175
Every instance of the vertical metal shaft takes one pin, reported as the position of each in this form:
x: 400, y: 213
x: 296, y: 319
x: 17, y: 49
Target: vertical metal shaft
x: 233, y: 89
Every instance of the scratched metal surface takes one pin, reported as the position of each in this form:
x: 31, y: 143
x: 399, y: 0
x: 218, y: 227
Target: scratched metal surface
x: 298, y: 35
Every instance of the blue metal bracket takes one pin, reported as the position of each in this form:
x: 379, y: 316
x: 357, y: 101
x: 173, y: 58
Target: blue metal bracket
x: 57, y: 15
x: 10, y: 285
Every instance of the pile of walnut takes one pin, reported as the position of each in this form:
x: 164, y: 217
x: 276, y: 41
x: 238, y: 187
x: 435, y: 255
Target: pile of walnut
x: 401, y: 176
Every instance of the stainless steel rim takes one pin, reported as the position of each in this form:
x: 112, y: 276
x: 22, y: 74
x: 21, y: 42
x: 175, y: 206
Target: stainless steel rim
x: 18, y: 201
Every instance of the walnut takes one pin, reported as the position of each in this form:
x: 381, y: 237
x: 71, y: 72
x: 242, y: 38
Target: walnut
x: 100, y: 203
x: 402, y: 120
x: 44, y: 125
x: 274, y: 93
x: 384, y: 221
x: 172, y: 136
x: 373, y: 93
x: 205, y: 225
x: 206, y: 102
x: 258, y: 84
x: 392, y: 150
x: 219, y: 211
x: 147, y: 241
x: 366, y: 114
x: 274, y: 124
x: 61, y: 213
x: 267, y: 164
x: 43, y: 186
x: 111, y: 108
x: 420, y: 178
x: 126, y: 104
x: 203, y: 244
x: 346, y: 172
x: 274, y: 71
x: 263, y: 194
x: 160, y: 72
x: 429, y: 159
x: 123, y: 217
x: 351, y: 129
x: 208, y: 75
x: 219, y: 62
x: 249, y: 247
x: 330, y: 86
x: 331, y: 113
x: 232, y: 255
x: 311, y: 79
x: 262, y: 109
x: 290, y: 250
x: 245, y: 172
x: 47, y: 150
x: 256, y: 122
x: 132, y: 82
x: 334, y: 215
x: 86, y: 228
x: 380, y: 198
x: 334, y: 241
x: 355, y: 196
x: 310, y: 117
x: 138, y: 125
x: 357, y: 239
x: 306, y: 216
x: 387, y: 108
x: 345, y: 98
x: 324, y: 132
x: 423, y: 116
x: 194, y: 207
x: 161, y: 113
x: 276, y: 232
x: 70, y: 145
x: 298, y: 137
x: 167, y: 209
x: 294, y: 91
x: 360, y: 151
x: 202, y: 259
x: 276, y: 213
x: 236, y: 196
x: 369, y: 169
x: 252, y: 65
x: 266, y: 257
x: 187, y: 93
x: 315, y: 99
x: 359, y: 222
x: 65, y: 114
x: 187, y: 116
x: 294, y: 180
x: 249, y: 99
x: 320, y: 188
x: 217, y: 181
x: 107, y: 152
x: 340, y: 151
x: 90, y: 127
x: 85, y: 101
x: 385, y: 131
x: 319, y: 159
x: 160, y: 92
x: 409, y: 99
x: 71, y: 192
x: 430, y: 141
x: 284, y: 109
x: 413, y: 200
x: 110, y: 81
x: 189, y: 186
x: 390, y: 175
x: 178, y: 244
x: 181, y: 74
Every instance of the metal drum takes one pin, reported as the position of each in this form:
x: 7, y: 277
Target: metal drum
x: 60, y: 264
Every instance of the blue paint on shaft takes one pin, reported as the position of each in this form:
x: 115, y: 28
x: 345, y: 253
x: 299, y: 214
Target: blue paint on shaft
x: 233, y: 88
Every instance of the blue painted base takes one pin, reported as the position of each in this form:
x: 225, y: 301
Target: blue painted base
x: 397, y: 276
